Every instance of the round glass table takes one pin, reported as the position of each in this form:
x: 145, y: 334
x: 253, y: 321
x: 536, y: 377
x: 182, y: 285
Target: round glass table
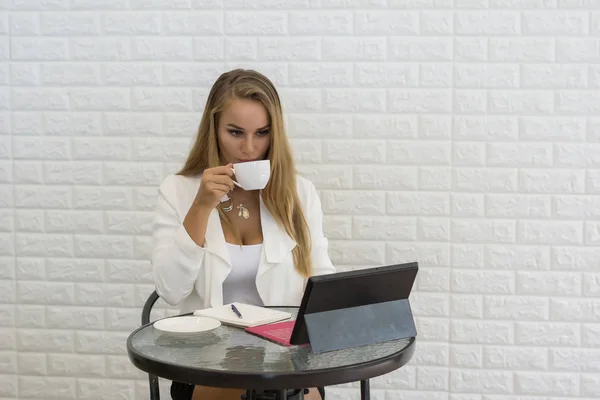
x: 230, y: 357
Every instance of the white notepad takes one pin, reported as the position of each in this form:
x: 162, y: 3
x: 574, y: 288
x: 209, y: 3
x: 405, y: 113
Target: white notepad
x: 251, y: 315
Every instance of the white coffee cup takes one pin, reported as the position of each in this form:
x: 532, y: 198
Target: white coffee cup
x: 252, y: 175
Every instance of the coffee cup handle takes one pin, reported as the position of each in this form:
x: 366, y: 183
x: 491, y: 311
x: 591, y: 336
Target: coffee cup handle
x: 234, y: 182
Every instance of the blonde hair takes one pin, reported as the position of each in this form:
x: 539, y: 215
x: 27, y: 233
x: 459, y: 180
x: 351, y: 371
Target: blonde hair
x: 280, y: 196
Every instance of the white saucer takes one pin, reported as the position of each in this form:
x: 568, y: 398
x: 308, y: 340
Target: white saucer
x: 186, y: 324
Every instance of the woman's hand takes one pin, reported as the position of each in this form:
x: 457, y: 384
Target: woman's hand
x: 216, y: 182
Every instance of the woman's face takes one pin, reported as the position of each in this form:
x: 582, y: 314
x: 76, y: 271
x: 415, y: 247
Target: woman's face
x: 243, y: 132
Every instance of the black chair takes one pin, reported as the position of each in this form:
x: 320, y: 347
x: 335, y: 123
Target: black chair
x: 153, y: 379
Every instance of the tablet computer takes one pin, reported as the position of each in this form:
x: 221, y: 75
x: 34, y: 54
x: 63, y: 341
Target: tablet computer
x: 352, y: 289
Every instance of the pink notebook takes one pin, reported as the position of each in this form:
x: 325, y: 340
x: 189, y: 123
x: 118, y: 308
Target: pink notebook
x: 278, y: 332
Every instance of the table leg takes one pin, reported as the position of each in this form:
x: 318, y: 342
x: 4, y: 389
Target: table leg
x: 365, y: 391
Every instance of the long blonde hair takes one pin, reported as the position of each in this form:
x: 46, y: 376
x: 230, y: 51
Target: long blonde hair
x: 280, y: 196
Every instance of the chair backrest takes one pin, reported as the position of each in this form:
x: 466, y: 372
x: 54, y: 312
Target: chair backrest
x: 152, y: 379
x: 148, y: 307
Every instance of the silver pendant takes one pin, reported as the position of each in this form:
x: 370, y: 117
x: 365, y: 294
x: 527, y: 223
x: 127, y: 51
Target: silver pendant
x: 243, y: 211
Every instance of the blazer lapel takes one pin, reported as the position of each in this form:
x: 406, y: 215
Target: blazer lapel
x: 220, y: 269
x: 276, y: 242
x: 215, y: 239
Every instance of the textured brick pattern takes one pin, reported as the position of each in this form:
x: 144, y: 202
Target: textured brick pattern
x: 460, y: 133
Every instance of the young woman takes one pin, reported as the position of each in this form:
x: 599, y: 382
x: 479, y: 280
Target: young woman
x: 258, y: 247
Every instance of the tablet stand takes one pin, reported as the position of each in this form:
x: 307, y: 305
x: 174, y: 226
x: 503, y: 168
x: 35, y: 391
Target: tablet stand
x: 358, y: 326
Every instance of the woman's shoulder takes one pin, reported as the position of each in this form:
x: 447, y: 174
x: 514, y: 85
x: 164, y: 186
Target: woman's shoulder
x: 304, y: 184
x: 180, y: 190
x: 173, y: 182
x: 306, y: 189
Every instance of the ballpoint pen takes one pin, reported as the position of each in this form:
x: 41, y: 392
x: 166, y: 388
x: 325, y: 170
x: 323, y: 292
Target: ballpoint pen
x: 236, y: 311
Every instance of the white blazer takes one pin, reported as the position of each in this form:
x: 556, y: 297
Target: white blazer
x: 192, y: 277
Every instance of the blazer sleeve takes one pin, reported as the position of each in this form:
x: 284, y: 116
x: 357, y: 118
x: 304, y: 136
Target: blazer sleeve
x: 176, y: 258
x: 321, y: 263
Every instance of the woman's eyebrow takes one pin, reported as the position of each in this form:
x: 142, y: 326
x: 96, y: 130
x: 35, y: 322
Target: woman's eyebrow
x: 242, y: 129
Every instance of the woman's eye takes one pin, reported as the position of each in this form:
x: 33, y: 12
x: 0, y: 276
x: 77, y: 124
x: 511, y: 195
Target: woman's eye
x: 263, y: 133
x: 235, y: 132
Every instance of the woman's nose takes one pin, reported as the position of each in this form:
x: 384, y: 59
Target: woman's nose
x: 247, y: 146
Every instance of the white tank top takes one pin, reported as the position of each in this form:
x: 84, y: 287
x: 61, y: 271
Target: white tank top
x: 240, y: 284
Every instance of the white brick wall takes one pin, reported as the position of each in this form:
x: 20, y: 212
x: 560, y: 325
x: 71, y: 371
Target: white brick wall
x: 460, y: 133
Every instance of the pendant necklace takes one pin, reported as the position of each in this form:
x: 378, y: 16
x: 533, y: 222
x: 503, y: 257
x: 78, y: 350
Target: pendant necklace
x: 243, y: 211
